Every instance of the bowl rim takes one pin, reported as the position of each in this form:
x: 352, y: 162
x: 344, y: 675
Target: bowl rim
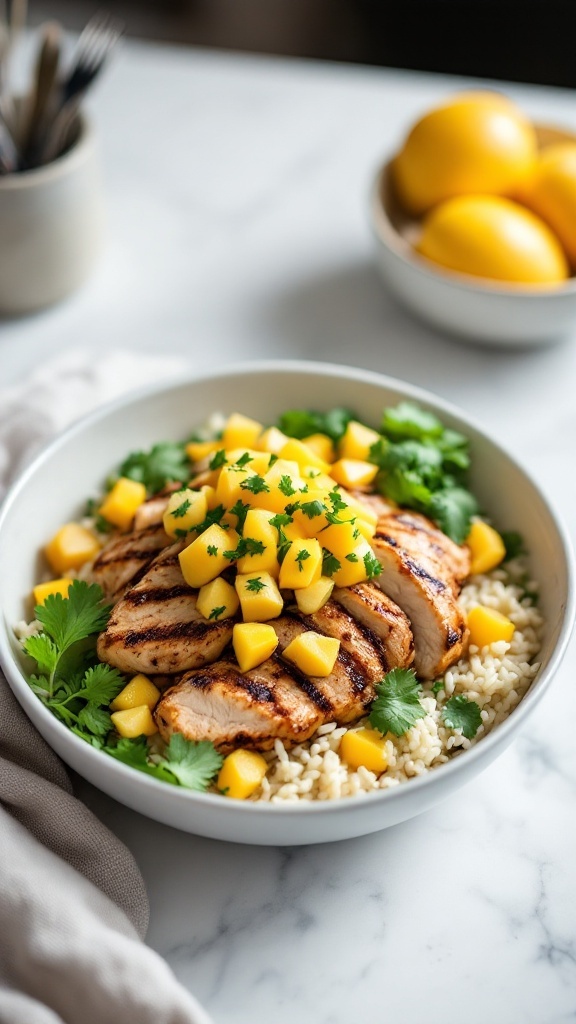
x: 392, y: 240
x: 496, y: 737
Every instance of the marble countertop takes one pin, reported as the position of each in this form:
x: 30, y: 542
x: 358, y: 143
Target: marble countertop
x: 237, y: 195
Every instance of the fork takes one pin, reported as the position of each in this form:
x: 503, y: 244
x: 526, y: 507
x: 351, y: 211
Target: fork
x: 94, y: 46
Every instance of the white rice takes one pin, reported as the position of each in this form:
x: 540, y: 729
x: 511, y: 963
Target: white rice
x: 496, y: 677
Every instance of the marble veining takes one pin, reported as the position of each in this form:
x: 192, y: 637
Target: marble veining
x: 241, y: 232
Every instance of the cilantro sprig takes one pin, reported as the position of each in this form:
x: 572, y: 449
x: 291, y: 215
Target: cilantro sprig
x: 301, y: 423
x: 162, y: 464
x: 461, y: 713
x: 397, y: 705
x: 188, y: 763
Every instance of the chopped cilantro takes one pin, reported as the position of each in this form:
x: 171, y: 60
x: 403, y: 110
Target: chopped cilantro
x: 371, y: 565
x: 330, y: 563
x: 245, y: 546
x: 514, y: 544
x: 213, y: 516
x: 218, y: 459
x: 240, y: 510
x: 273, y: 459
x: 164, y: 463
x: 301, y: 557
x: 182, y: 509
x: 255, y: 585
x: 311, y: 509
x: 285, y: 485
x: 244, y: 460
x: 397, y: 706
x: 464, y: 714
x: 351, y: 557
x: 255, y: 484
x: 212, y: 549
x: 193, y: 763
x: 301, y: 423
x: 217, y: 612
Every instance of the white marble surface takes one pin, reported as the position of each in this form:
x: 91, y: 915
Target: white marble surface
x: 238, y: 228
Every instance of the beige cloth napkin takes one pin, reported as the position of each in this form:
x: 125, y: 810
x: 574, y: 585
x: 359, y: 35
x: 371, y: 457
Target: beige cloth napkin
x: 73, y: 907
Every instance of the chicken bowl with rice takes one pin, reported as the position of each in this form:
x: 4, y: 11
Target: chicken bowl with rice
x: 272, y: 609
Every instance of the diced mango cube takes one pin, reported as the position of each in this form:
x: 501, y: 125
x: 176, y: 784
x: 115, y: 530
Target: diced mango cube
x: 204, y: 558
x: 360, y: 508
x: 138, y: 692
x: 313, y: 653
x: 217, y: 600
x: 352, y: 567
x: 353, y: 472
x: 240, y: 431
x: 71, y: 547
x: 364, y: 748
x: 121, y: 502
x: 322, y: 446
x: 257, y: 528
x: 253, y: 642
x: 341, y: 538
x: 317, y: 480
x: 250, y: 458
x: 229, y: 485
x: 260, y: 598
x: 43, y: 590
x: 487, y: 626
x: 210, y: 494
x: 198, y: 450
x: 312, y: 518
x: 272, y: 440
x: 241, y: 774
x: 487, y: 548
x: 357, y: 441
x: 299, y: 452
x: 134, y: 722
x: 185, y: 510
x: 312, y: 598
x: 302, y: 564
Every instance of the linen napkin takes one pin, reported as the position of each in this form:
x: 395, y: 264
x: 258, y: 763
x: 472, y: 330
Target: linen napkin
x: 73, y: 907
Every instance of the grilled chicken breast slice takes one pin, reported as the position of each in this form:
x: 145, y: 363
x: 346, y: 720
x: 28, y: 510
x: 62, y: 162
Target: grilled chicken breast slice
x: 247, y: 709
x: 126, y: 556
x: 381, y: 619
x: 433, y: 549
x: 426, y: 591
x: 349, y: 687
x: 156, y: 626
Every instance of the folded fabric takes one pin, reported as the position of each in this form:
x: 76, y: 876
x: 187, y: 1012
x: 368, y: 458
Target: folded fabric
x: 73, y: 907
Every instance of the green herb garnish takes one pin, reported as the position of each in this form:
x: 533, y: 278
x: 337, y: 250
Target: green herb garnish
x: 255, y: 484
x: 301, y: 423
x: 330, y: 563
x: 301, y: 558
x: 464, y: 714
x: 255, y: 585
x: 163, y: 464
x: 285, y: 485
x: 397, y: 706
x: 218, y: 459
x: 217, y: 612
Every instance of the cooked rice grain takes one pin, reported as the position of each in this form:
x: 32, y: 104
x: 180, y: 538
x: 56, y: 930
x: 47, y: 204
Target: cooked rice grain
x: 496, y: 678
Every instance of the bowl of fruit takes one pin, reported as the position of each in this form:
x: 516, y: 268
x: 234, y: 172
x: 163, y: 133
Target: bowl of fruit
x: 475, y: 222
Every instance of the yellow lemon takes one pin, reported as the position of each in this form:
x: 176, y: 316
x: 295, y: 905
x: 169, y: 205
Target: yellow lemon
x: 492, y: 237
x: 550, y: 191
x: 476, y: 143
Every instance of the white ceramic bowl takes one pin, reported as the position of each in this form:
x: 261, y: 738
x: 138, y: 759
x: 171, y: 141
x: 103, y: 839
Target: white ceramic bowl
x: 74, y: 466
x: 471, y: 308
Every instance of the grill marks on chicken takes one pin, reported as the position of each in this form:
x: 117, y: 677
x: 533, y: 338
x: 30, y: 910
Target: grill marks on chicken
x: 422, y: 571
x: 126, y: 556
x: 156, y: 626
x: 274, y: 700
x: 250, y: 709
x: 381, y: 620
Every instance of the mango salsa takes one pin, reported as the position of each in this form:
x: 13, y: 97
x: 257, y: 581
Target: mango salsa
x: 204, y: 558
x: 186, y: 509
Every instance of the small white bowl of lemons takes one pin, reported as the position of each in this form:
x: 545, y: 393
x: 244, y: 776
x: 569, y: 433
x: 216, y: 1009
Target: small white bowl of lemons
x: 475, y: 223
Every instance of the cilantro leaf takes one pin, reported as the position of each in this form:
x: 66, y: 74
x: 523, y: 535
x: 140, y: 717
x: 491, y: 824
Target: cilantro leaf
x: 301, y: 423
x: 464, y: 714
x: 311, y: 509
x: 240, y: 510
x: 397, y: 706
x: 453, y: 509
x: 182, y: 509
x: 245, y: 546
x: 255, y: 585
x: 217, y: 612
x: 95, y: 719
x: 514, y: 544
x: 101, y: 684
x: 193, y: 763
x: 164, y: 462
x: 67, y: 620
x: 44, y: 652
x: 330, y: 563
x: 135, y: 753
x: 407, y: 420
x: 285, y: 485
x: 255, y: 484
x: 218, y: 459
x: 371, y: 565
x: 301, y: 557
